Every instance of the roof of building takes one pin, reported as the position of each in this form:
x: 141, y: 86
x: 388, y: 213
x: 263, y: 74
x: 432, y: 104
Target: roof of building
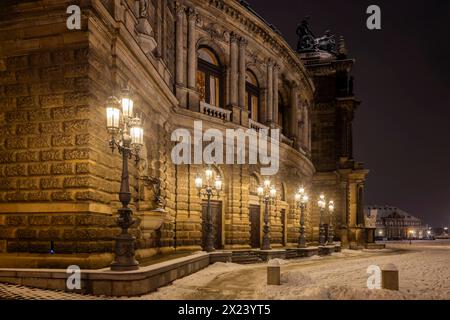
x: 389, y: 211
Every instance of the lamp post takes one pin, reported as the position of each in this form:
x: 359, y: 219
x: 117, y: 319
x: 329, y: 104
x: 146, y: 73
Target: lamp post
x: 267, y: 194
x: 209, y: 190
x: 330, y: 226
x: 322, y: 204
x: 301, y: 199
x: 127, y: 136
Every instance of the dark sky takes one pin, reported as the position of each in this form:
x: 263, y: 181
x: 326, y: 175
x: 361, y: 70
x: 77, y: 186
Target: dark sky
x: 402, y: 73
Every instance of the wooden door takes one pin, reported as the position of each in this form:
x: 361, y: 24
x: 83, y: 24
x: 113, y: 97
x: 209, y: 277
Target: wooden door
x: 216, y: 212
x: 255, y: 226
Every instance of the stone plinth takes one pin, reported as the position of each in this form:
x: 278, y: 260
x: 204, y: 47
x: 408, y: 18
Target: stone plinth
x: 266, y: 255
x: 326, y: 250
x: 303, y: 252
x: 109, y: 283
x: 220, y: 256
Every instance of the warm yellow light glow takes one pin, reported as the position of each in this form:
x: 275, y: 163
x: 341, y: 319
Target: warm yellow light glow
x: 267, y: 183
x: 198, y: 182
x: 305, y: 199
x: 218, y: 183
x: 260, y: 191
x: 112, y: 118
x: 127, y: 107
x: 273, y: 192
x: 137, y: 135
x: 208, y: 174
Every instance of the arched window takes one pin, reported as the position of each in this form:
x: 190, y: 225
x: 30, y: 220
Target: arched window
x: 252, y: 96
x: 209, y: 77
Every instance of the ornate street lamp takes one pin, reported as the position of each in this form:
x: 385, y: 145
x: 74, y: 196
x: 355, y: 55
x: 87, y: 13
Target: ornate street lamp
x: 330, y: 226
x: 266, y: 193
x: 322, y: 204
x: 301, y: 199
x: 209, y: 189
x: 127, y: 135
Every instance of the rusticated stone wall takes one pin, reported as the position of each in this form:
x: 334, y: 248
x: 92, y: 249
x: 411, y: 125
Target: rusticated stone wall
x: 58, y: 178
x: 54, y: 185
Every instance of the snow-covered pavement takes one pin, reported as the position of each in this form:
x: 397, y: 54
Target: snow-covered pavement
x: 424, y: 269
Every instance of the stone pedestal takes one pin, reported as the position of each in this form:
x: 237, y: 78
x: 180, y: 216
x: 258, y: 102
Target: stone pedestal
x: 273, y: 275
x: 389, y: 278
x: 236, y: 115
x: 193, y: 100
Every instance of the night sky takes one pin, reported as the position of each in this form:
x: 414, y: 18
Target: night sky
x: 402, y: 76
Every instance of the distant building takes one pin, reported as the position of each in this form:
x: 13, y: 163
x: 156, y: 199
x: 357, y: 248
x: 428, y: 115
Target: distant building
x: 396, y: 224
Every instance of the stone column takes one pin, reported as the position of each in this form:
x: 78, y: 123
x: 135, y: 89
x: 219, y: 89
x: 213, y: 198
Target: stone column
x: 192, y: 52
x: 305, y: 129
x: 309, y: 137
x: 241, y: 81
x: 294, y: 113
x: 269, y: 119
x: 179, y: 45
x: 234, y: 57
x: 163, y: 31
x: 276, y: 70
x: 242, y: 72
x: 158, y: 19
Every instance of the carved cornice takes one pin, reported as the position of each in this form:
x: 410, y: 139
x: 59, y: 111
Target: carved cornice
x: 216, y: 32
x: 269, y: 36
x: 243, y: 42
x: 234, y: 37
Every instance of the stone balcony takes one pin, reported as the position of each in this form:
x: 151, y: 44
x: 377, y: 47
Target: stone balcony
x: 256, y: 125
x: 215, y: 112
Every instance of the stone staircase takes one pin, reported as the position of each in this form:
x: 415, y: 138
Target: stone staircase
x: 245, y: 257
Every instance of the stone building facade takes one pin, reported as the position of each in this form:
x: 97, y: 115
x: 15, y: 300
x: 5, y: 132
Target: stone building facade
x: 194, y: 60
x: 395, y: 224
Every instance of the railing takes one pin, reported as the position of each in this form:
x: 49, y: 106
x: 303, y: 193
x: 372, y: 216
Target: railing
x: 256, y: 125
x: 215, y: 112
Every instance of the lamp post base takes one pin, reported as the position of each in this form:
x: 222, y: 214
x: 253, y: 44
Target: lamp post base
x: 125, y: 259
x: 322, y: 236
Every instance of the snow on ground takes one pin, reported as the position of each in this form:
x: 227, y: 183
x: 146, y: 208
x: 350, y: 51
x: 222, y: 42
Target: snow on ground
x: 423, y: 268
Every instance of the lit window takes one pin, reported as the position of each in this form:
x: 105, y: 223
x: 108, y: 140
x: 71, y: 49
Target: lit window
x: 252, y: 96
x: 209, y: 77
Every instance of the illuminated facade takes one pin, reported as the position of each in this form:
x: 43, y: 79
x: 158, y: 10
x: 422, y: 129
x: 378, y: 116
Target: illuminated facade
x: 213, y: 61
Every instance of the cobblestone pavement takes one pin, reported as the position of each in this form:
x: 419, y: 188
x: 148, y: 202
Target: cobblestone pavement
x: 15, y: 292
